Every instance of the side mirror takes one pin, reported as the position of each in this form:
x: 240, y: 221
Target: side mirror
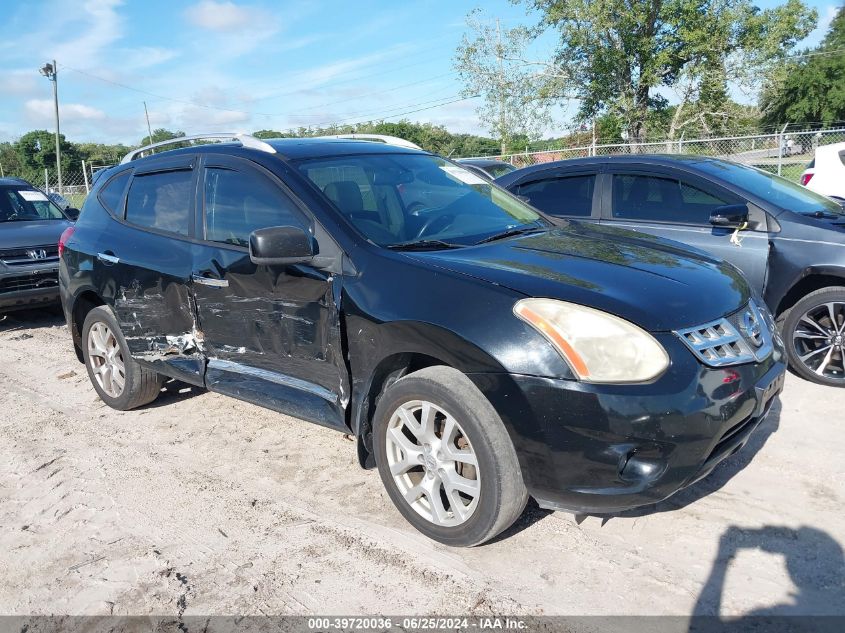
x: 278, y: 245
x: 72, y: 213
x: 729, y: 215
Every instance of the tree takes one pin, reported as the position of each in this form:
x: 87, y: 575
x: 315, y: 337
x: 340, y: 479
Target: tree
x: 10, y: 161
x: 619, y: 57
x: 812, y: 88
x: 37, y: 152
x: 160, y: 134
x: 490, y: 62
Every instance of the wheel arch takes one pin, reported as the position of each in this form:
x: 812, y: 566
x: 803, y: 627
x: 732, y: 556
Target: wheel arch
x: 83, y: 303
x: 813, y: 279
x: 381, y: 354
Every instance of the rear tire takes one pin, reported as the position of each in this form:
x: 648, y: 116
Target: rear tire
x: 446, y: 459
x: 814, y: 334
x: 120, y: 381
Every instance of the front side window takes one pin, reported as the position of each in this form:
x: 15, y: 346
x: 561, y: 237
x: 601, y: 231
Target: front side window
x: 771, y: 188
x: 656, y: 199
x: 237, y: 203
x: 20, y: 205
x: 394, y: 199
x: 161, y: 201
x: 571, y: 196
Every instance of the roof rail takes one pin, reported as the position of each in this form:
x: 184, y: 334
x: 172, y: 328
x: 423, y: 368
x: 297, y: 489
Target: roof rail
x: 378, y: 138
x: 245, y: 140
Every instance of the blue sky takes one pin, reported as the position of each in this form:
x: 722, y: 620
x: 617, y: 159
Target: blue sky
x: 215, y: 65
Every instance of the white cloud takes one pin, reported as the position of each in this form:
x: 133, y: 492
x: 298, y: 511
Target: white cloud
x: 22, y: 83
x: 147, y: 56
x: 223, y: 16
x: 96, y: 26
x: 41, y: 110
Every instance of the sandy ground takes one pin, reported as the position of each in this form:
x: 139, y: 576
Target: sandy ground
x: 200, y: 504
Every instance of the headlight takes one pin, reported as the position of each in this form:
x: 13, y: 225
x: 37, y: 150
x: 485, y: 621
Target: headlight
x: 598, y: 346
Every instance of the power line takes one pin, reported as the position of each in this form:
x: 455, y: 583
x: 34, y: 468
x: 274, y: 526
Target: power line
x: 370, y: 94
x: 378, y: 115
x: 162, y: 97
x: 393, y: 116
x: 248, y: 112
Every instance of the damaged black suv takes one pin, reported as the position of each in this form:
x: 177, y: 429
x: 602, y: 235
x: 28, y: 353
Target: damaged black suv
x: 479, y: 351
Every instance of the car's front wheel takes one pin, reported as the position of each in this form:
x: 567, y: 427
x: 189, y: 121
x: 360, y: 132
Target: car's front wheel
x: 119, y: 380
x: 446, y: 459
x: 814, y: 333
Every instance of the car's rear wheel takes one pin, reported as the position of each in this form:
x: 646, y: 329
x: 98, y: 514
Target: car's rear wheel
x: 445, y: 458
x: 119, y: 380
x: 814, y: 333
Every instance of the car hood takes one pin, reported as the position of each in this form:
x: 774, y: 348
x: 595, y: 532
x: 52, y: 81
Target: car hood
x: 658, y: 284
x: 31, y: 233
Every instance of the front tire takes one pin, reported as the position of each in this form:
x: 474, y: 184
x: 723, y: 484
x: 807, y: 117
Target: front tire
x: 814, y: 334
x: 118, y: 379
x: 446, y: 459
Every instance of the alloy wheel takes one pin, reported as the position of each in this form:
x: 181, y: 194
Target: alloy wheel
x: 819, y: 340
x: 433, y: 463
x: 106, y: 360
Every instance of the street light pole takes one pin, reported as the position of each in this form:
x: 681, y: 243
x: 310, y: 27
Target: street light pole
x: 50, y: 71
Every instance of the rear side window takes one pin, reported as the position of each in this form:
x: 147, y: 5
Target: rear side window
x: 112, y: 193
x: 237, y: 203
x: 571, y: 196
x: 657, y: 199
x: 161, y: 201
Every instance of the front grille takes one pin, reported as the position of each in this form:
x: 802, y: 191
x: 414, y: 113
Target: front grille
x: 742, y: 337
x: 28, y: 282
x: 30, y: 255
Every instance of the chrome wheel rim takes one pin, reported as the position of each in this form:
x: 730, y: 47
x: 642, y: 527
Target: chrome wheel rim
x: 433, y: 463
x: 106, y: 360
x: 819, y: 340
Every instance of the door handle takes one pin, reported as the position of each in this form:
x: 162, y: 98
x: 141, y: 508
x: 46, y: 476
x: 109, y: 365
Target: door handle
x: 208, y: 281
x: 107, y: 258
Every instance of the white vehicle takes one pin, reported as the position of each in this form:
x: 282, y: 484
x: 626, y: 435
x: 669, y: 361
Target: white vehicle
x: 826, y: 172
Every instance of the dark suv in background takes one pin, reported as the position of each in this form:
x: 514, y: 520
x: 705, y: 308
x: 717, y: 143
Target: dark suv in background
x: 789, y: 242
x: 479, y: 352
x: 30, y: 227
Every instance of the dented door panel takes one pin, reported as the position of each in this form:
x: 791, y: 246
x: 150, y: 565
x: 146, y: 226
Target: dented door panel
x: 272, y: 334
x: 149, y: 290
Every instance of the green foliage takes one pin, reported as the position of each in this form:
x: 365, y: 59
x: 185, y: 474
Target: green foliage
x: 811, y: 89
x: 160, y: 134
x: 614, y: 55
x: 434, y: 138
x: 36, y: 152
x: 491, y: 63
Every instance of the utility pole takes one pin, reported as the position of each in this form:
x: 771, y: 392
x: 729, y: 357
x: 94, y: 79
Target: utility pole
x: 501, y: 83
x: 50, y: 71
x: 149, y: 130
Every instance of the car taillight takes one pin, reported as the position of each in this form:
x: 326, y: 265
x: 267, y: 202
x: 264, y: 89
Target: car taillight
x: 64, y: 238
x: 805, y: 178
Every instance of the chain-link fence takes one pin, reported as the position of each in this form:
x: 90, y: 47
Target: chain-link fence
x: 785, y: 154
x: 75, y: 183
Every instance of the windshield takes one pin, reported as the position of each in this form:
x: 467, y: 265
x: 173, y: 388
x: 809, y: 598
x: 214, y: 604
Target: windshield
x: 20, y: 205
x: 499, y: 170
x: 401, y: 198
x: 780, y: 191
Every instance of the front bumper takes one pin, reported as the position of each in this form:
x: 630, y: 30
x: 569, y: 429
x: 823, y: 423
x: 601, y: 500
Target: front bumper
x: 607, y: 448
x: 29, y: 287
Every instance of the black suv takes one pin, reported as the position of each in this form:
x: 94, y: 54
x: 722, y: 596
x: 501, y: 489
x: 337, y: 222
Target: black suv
x: 788, y: 241
x: 479, y: 352
x: 30, y: 227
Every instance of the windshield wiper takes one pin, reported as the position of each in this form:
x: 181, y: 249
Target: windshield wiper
x: 423, y: 245
x: 511, y: 233
x: 821, y: 215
